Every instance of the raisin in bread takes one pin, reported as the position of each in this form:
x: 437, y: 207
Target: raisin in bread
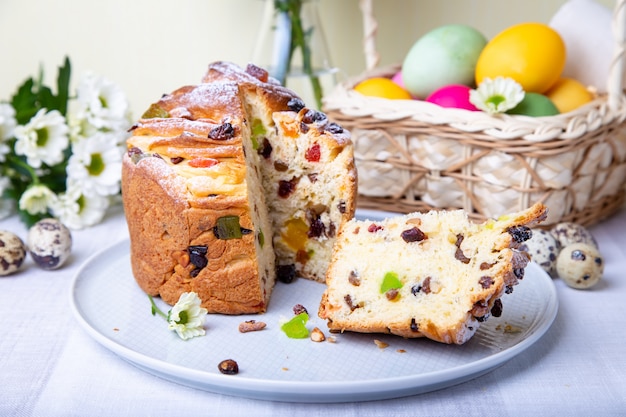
x: 193, y: 188
x: 308, y: 173
x: 432, y: 274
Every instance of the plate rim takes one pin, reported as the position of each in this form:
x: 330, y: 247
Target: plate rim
x: 310, y: 391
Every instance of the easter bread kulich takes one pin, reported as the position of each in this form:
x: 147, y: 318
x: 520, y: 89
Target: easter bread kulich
x: 201, y: 214
x: 436, y: 274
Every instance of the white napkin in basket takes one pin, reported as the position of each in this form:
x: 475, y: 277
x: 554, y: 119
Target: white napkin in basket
x: 585, y: 27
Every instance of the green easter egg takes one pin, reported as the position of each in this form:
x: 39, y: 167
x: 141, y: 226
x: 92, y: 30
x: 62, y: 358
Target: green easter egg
x: 535, y: 105
x: 444, y: 56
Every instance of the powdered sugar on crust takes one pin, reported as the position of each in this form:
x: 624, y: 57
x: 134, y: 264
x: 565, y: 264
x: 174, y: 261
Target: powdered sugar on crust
x: 211, y: 102
x: 158, y: 170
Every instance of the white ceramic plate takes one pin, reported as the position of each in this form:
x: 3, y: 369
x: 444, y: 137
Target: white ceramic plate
x: 115, y: 312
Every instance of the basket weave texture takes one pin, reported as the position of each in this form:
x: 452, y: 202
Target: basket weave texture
x: 416, y: 156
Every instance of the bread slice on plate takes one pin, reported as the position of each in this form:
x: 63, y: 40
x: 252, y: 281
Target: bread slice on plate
x: 434, y: 275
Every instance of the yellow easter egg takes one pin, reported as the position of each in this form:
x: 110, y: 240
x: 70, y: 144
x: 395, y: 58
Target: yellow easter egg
x: 533, y: 54
x: 568, y: 94
x: 382, y: 87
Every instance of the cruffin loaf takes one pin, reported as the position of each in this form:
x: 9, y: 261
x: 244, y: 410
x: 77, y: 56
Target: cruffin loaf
x: 200, y: 186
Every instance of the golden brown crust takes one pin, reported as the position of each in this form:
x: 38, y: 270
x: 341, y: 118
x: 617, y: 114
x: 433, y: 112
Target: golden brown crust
x: 192, y: 161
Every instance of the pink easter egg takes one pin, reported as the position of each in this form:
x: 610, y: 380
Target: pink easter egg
x: 397, y: 78
x: 452, y: 96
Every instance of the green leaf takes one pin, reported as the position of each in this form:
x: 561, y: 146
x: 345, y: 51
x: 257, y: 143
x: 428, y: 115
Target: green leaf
x: 24, y: 101
x: 63, y: 85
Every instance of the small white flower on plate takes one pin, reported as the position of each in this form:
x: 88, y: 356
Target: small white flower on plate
x: 96, y: 165
x: 187, y: 317
x: 43, y: 139
x: 497, y: 95
x: 36, y: 199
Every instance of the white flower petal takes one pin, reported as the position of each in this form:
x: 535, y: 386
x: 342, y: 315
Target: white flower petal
x: 78, y: 210
x: 189, y: 303
x: 96, y: 165
x: 497, y: 95
x: 37, y: 199
x: 43, y: 139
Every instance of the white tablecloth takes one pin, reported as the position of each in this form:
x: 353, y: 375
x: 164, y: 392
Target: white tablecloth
x: 49, y: 366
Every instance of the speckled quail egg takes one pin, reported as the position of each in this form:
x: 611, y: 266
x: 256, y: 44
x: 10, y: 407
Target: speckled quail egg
x: 543, y: 249
x: 12, y: 252
x: 580, y: 265
x: 568, y: 232
x: 49, y: 243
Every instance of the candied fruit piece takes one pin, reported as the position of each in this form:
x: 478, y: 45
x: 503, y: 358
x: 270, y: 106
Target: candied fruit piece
x: 496, y: 310
x: 413, y: 235
x: 486, y: 281
x: 280, y: 166
x: 334, y: 128
x: 228, y: 227
x: 199, y: 162
x: 257, y: 72
x: 258, y: 132
x: 295, y: 233
x: 390, y: 281
x: 286, y: 273
x: 296, y: 104
x: 154, y: 112
x: 314, y: 153
x: 224, y: 131
x: 520, y: 233
x: 197, y: 256
x: 228, y: 367
x: 261, y: 238
x: 265, y: 150
x: 286, y: 188
x: 296, y: 327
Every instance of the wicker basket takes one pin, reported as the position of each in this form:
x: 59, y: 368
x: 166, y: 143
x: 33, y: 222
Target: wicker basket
x: 416, y: 156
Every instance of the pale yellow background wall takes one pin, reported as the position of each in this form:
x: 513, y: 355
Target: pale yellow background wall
x: 150, y: 47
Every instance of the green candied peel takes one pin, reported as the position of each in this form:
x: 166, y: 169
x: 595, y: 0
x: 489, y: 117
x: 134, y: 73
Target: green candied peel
x: 296, y: 327
x: 258, y: 130
x: 261, y: 238
x: 228, y: 227
x: 155, y: 111
x: 390, y: 282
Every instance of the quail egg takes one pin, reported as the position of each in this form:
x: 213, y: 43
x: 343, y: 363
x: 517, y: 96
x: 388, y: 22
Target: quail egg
x: 568, y: 232
x: 12, y: 252
x: 580, y: 265
x: 49, y: 243
x: 543, y: 249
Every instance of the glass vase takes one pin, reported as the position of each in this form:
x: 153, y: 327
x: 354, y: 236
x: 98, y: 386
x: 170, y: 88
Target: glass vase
x: 292, y: 47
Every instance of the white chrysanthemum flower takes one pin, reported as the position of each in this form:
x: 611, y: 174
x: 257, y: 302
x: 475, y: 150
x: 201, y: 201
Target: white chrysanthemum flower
x: 101, y: 104
x: 187, y: 317
x: 43, y: 139
x: 96, y: 164
x: 497, y: 95
x: 37, y: 199
x: 77, y: 210
x: 7, y: 206
x: 7, y: 124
